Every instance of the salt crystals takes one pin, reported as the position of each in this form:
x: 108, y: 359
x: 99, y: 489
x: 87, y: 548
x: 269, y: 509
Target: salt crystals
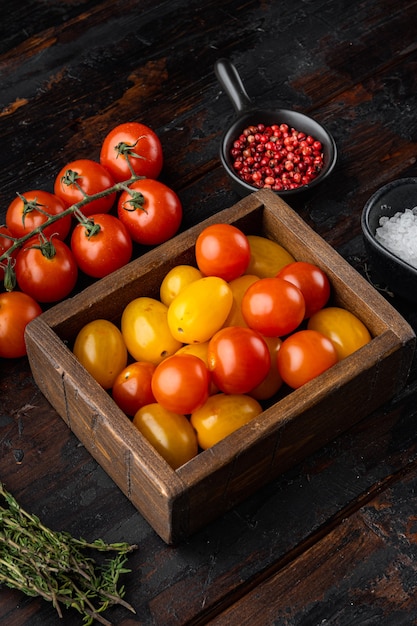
x: 399, y: 234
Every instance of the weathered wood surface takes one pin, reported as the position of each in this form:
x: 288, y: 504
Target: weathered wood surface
x: 334, y: 538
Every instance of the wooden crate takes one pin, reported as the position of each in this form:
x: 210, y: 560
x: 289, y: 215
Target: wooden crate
x: 178, y: 502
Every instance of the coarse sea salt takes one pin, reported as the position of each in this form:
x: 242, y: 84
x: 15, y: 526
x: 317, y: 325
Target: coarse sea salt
x: 399, y: 234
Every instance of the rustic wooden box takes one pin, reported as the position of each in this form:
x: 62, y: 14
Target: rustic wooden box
x: 177, y: 503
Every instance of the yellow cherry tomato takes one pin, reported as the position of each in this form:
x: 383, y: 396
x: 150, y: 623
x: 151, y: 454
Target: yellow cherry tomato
x: 177, y: 278
x: 171, y: 434
x: 221, y: 415
x: 238, y: 287
x: 267, y: 257
x: 200, y: 309
x: 146, y: 332
x: 347, y: 332
x: 100, y: 347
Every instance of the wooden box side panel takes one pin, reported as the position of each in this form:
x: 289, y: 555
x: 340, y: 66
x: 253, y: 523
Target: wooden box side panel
x: 143, y: 476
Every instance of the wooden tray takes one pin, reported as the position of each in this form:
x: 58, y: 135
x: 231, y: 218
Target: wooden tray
x: 178, y: 502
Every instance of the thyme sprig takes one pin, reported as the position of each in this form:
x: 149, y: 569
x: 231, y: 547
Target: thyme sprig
x: 58, y: 567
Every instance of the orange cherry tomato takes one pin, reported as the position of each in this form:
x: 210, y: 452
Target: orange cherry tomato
x: 171, y: 434
x: 180, y: 383
x: 304, y: 355
x: 222, y: 250
x: 17, y: 309
x: 238, y: 359
x: 222, y: 415
x: 273, y: 306
x: 132, y: 388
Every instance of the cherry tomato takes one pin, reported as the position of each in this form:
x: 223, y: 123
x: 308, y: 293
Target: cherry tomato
x: 104, y: 251
x: 273, y: 306
x: 222, y: 250
x: 238, y: 359
x: 6, y: 242
x: 146, y: 332
x: 85, y: 177
x: 152, y: 212
x: 181, y: 383
x: 200, y: 309
x: 100, y: 348
x: 33, y: 208
x: 272, y: 382
x: 347, y: 332
x: 135, y: 144
x: 17, y: 309
x: 221, y: 415
x: 132, y: 387
x: 171, y: 434
x: 239, y: 286
x: 311, y: 281
x: 267, y: 257
x: 304, y: 355
x: 201, y: 351
x: 46, y: 270
x: 175, y: 280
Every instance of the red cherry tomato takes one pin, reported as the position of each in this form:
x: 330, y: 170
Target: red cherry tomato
x: 181, y: 383
x: 17, y: 309
x: 222, y: 250
x: 152, y: 213
x: 304, y: 355
x: 31, y: 209
x: 311, y: 281
x: 6, y: 242
x: 132, y: 387
x: 85, y: 177
x: 105, y: 251
x: 238, y: 359
x: 134, y: 144
x: 47, y: 271
x: 273, y: 306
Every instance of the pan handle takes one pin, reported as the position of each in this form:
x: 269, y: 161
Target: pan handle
x: 231, y: 82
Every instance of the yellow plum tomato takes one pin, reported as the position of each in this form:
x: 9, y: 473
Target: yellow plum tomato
x: 171, y: 434
x: 267, y: 257
x: 239, y: 286
x: 132, y: 388
x: 146, y: 332
x: 200, y: 309
x: 175, y: 280
x: 272, y: 383
x: 180, y: 383
x: 347, y: 332
x: 221, y: 415
x: 100, y: 348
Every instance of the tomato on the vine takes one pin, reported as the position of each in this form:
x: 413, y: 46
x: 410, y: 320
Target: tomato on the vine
x: 238, y: 359
x: 171, y: 434
x: 347, y: 332
x: 304, y: 355
x: 311, y: 280
x: 132, y: 387
x: 132, y: 148
x: 46, y: 270
x: 273, y: 306
x: 104, y: 249
x: 151, y: 211
x: 17, y: 309
x: 221, y: 415
x: 222, y: 250
x: 32, y: 209
x: 85, y: 177
x: 100, y: 348
x: 6, y: 242
x: 180, y: 383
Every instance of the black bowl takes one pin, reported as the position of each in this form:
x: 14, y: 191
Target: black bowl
x: 248, y: 114
x: 386, y: 267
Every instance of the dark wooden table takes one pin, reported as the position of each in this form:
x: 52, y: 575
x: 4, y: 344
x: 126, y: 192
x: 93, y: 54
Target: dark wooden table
x: 334, y: 541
